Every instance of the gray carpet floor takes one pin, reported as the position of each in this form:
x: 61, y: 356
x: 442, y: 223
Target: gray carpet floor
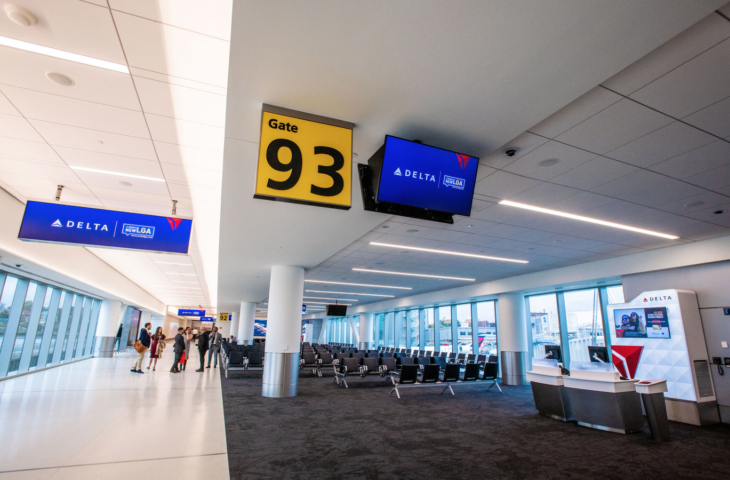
x: 329, y: 432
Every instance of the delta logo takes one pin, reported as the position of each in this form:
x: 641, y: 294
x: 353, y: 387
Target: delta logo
x: 658, y: 299
x: 427, y: 177
x: 463, y: 160
x: 81, y: 225
x: 138, y: 231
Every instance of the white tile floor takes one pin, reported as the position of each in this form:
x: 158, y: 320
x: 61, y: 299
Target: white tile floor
x: 95, y: 419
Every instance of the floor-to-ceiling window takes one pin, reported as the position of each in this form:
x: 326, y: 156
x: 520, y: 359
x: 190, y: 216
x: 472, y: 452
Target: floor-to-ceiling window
x: 584, y: 320
x: 389, y: 337
x: 615, y: 294
x: 429, y: 329
x: 22, y: 327
x: 414, y: 332
x: 463, y: 328
x: 379, y: 324
x: 6, y: 302
x: 545, y: 323
x: 40, y: 332
x: 487, y: 328
x: 444, y: 340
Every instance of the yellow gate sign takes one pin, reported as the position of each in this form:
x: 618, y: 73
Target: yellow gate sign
x: 222, y: 317
x: 304, y: 158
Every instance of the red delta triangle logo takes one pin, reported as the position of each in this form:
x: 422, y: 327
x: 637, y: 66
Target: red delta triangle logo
x: 463, y: 160
x: 645, y: 300
x: 174, y: 222
x: 626, y: 359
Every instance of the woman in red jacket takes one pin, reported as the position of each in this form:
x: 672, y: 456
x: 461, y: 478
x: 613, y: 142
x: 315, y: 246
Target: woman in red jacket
x: 158, y: 344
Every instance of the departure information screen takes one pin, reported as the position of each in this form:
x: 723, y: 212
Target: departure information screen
x: 53, y: 222
x: 427, y: 177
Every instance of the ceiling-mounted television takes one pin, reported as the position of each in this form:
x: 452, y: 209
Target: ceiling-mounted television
x: 411, y: 179
x: 336, y: 310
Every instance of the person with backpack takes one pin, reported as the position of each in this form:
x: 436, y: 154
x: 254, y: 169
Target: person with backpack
x: 141, y: 347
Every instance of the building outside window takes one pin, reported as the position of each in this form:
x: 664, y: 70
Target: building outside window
x: 464, y: 326
x: 584, y: 320
x: 487, y: 325
x: 400, y: 329
x: 429, y: 329
x: 389, y: 340
x: 414, y: 339
x: 42, y: 322
x: 545, y: 323
x: 6, y: 303
x: 615, y: 294
x: 379, y: 329
x: 22, y: 327
x: 444, y: 322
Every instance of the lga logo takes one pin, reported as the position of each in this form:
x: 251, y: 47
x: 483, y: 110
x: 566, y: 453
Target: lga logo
x: 414, y: 174
x: 140, y: 231
x: 81, y: 225
x: 457, y: 183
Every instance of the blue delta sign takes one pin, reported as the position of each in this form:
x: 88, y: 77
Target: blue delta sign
x: 190, y: 313
x: 207, y: 319
x: 53, y: 222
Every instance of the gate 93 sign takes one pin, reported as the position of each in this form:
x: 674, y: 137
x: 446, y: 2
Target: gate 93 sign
x: 305, y: 159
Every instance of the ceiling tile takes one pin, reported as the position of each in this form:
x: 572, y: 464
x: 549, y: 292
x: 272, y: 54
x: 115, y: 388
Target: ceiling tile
x: 181, y: 102
x: 58, y: 173
x: 171, y: 130
x: 691, y: 87
x: 113, y: 163
x: 194, y: 192
x: 118, y: 193
x: 712, y: 179
x: 15, y: 148
x: 697, y: 161
x: 191, y: 175
x: 524, y: 144
x: 714, y: 119
x: 576, y: 112
x: 95, y: 141
x: 501, y: 185
x: 630, y: 184
x: 594, y: 173
x: 17, y: 127
x: 667, y: 142
x: 189, y: 156
x: 668, y: 191
x: 78, y: 113
x: 698, y: 38
x: 545, y: 194
x: 568, y: 157
x: 43, y: 187
x: 613, y: 127
x: 125, y: 184
x: 7, y: 108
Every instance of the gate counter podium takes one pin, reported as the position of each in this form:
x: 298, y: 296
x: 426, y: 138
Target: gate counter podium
x: 548, y: 390
x: 602, y: 400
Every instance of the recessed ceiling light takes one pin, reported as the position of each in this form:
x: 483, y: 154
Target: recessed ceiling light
x: 327, y: 298
x: 326, y: 303
x: 719, y: 212
x: 60, y: 79
x: 20, y: 15
x: 694, y: 205
x: 550, y: 162
x: 448, y: 252
x: 412, y: 231
x: 415, y: 275
x: 359, y: 284
x: 107, y: 172
x: 469, y: 226
x: 126, y: 184
x: 352, y: 293
x: 385, y: 226
x: 52, y: 52
x: 586, y: 219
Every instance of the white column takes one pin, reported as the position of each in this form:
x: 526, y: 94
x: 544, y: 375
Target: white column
x: 245, y: 323
x: 107, y: 326
x: 366, y: 331
x: 512, y: 328
x: 234, y: 316
x: 145, y: 319
x: 283, y: 332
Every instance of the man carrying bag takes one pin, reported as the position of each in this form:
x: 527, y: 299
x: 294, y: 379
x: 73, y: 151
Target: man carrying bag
x: 141, y: 346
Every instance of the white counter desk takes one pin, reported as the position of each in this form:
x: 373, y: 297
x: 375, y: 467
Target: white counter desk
x: 548, y: 390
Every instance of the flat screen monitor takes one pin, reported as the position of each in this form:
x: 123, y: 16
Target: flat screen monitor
x: 427, y: 177
x: 598, y: 354
x: 651, y: 322
x: 336, y: 310
x: 554, y: 352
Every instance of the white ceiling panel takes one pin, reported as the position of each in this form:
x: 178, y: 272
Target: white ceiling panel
x: 125, y: 194
x: 532, y: 164
x: 191, y: 175
x: 171, y: 130
x: 694, y: 206
x: 713, y: 179
x: 92, y: 84
x: 71, y: 197
x: 615, y: 126
x: 41, y: 152
x: 44, y: 187
x: 577, y: 111
x: 693, y: 86
x: 181, y: 102
x: 524, y: 144
x: 173, y: 51
x: 669, y: 191
x: 545, y: 194
x: 68, y: 25
x: 95, y: 141
x: 7, y: 108
x: 700, y: 37
x: 209, y: 18
x: 194, y: 192
x: 594, y: 173
x: 714, y: 119
x: 93, y: 179
x: 18, y: 127
x: 59, y: 173
x: 182, y: 82
x: 503, y: 185
x: 697, y: 161
x: 667, y: 142
x: 78, y: 113
x: 189, y: 156
x: 112, y: 163
x: 628, y: 185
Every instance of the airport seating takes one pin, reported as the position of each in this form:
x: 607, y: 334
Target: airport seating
x: 492, y: 359
x: 440, y: 361
x: 481, y: 359
x: 387, y: 365
x: 309, y: 360
x: 234, y: 361
x: 470, y: 358
x: 422, y: 361
x: 404, y: 361
x: 429, y: 353
x: 421, y: 353
x: 489, y: 374
x: 452, y: 357
x: 443, y: 354
x: 460, y: 358
x: 357, y: 355
x: 348, y: 366
x: 371, y: 365
x: 471, y: 373
x: 325, y: 360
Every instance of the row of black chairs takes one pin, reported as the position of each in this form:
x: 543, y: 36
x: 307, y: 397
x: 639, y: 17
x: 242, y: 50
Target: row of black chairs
x: 242, y: 357
x: 432, y: 375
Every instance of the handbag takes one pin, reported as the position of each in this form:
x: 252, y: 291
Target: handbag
x: 139, y: 346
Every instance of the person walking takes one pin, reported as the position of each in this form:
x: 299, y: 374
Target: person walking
x: 188, y: 336
x: 215, y: 347
x: 179, y: 349
x: 158, y: 345
x: 144, y: 344
x: 203, y: 340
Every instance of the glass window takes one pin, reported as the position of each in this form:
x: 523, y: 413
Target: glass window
x: 388, y: 342
x: 41, y: 328
x: 56, y: 326
x: 444, y: 340
x: 356, y: 324
x: 584, y: 320
x: 545, y: 323
x: 428, y: 331
x: 414, y: 341
x: 463, y: 326
x: 615, y: 294
x: 400, y: 329
x: 68, y: 326
x: 22, y: 327
x: 6, y: 303
x: 380, y: 329
x: 85, y: 305
x: 487, y: 325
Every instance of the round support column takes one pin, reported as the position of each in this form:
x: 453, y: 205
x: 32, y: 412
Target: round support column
x: 234, y: 316
x: 512, y: 338
x: 106, y: 327
x: 283, y: 332
x: 245, y: 323
x: 366, y: 331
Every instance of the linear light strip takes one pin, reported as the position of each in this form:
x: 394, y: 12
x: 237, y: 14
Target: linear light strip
x: 326, y: 303
x: 414, y: 274
x: 327, y: 298
x: 359, y: 284
x: 586, y: 219
x: 448, y: 252
x: 107, y: 172
x: 73, y: 57
x: 173, y: 263
x: 351, y: 293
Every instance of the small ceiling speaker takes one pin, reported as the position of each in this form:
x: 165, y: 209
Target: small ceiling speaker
x: 20, y: 15
x: 60, y: 79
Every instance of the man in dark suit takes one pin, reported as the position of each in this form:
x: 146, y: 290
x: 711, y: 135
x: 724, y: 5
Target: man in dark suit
x: 203, y: 340
x: 179, y: 349
x: 215, y: 347
x: 144, y: 337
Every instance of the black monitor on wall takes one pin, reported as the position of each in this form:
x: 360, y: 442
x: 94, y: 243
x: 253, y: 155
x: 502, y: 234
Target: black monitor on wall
x: 336, y: 310
x: 598, y: 354
x: 554, y: 352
